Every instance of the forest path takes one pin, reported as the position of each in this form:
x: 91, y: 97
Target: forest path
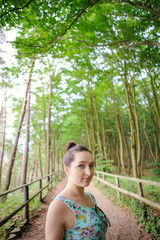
x: 123, y: 225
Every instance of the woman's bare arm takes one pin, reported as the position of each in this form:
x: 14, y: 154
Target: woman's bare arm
x: 55, y: 222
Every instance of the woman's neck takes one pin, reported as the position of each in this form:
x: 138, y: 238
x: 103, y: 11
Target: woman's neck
x: 74, y: 190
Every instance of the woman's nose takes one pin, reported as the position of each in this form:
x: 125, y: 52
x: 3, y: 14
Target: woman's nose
x: 88, y: 171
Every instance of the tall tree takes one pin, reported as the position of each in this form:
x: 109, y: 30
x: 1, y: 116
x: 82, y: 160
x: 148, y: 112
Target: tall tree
x: 14, y: 149
x: 26, y: 146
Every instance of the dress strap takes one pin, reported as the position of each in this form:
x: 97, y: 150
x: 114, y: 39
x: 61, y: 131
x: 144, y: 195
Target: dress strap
x: 69, y: 203
x: 92, y: 198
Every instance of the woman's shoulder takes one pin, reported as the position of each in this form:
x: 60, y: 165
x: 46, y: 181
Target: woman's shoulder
x: 57, y: 205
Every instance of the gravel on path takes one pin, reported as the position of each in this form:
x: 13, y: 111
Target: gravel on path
x: 123, y: 225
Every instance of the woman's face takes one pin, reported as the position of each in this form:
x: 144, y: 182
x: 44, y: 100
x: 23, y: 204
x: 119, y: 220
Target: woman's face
x: 81, y: 170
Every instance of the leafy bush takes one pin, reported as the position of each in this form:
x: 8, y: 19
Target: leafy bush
x: 155, y: 168
x: 104, y: 165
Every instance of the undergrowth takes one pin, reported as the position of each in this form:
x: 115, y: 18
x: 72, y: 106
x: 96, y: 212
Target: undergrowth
x: 15, y: 200
x: 151, y: 223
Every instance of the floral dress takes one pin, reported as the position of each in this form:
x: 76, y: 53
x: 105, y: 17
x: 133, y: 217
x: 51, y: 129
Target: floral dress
x: 91, y: 222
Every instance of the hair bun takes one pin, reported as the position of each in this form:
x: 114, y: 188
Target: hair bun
x: 70, y: 145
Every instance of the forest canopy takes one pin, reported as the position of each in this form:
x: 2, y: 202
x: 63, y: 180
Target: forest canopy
x: 91, y: 71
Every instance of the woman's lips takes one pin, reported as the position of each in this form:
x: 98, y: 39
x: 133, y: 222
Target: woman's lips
x: 86, y: 179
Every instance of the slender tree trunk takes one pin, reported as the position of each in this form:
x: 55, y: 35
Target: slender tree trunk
x: 44, y: 134
x: 26, y: 150
x: 149, y: 144
x: 133, y: 130
x: 104, y: 140
x: 3, y: 135
x: 154, y: 97
x: 128, y: 156
x: 14, y: 149
x: 57, y: 152
x: 138, y: 142
x: 40, y: 160
x: 98, y: 127
x: 87, y: 129
x: 119, y: 131
x: 153, y: 120
x: 94, y: 150
x: 118, y: 158
x: 49, y: 125
x: 33, y: 168
x: 130, y: 112
x: 37, y: 164
x: 53, y: 152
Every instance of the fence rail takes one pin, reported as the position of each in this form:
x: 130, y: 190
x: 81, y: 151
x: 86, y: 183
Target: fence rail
x: 116, y: 187
x: 25, y: 205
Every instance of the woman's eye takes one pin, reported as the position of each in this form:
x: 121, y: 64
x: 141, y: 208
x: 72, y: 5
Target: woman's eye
x: 81, y: 166
x: 91, y: 165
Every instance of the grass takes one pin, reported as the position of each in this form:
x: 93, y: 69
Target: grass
x: 152, y: 223
x: 15, y: 200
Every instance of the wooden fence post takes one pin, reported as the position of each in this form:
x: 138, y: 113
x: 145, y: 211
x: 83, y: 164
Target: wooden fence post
x: 26, y: 208
x: 103, y: 176
x: 140, y: 191
x: 51, y: 180
x: 40, y: 194
x: 117, y: 184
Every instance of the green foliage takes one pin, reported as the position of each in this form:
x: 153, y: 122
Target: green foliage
x: 155, y: 168
x: 104, y: 165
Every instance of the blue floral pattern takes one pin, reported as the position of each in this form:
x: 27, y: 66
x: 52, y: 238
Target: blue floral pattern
x: 88, y: 224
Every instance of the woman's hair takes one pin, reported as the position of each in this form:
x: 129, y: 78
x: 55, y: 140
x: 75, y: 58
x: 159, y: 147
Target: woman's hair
x: 71, y: 148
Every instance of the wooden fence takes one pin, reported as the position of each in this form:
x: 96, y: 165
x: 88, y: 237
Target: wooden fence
x: 50, y: 178
x: 100, y: 176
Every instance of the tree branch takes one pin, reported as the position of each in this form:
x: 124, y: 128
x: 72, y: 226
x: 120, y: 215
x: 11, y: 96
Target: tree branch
x: 77, y: 17
x: 148, y: 43
x: 143, y: 6
x: 51, y: 43
x: 125, y: 43
x: 15, y: 9
x: 141, y: 18
x: 139, y: 5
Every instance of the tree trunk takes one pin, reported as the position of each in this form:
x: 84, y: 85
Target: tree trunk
x: 44, y: 134
x: 26, y: 150
x: 133, y: 130
x: 98, y: 127
x: 3, y: 134
x: 154, y: 98
x: 14, y: 149
x: 40, y: 160
x: 104, y: 140
x: 94, y: 149
x: 138, y: 142
x: 57, y: 152
x: 149, y: 144
x: 131, y: 118
x: 119, y: 131
x: 153, y: 120
x: 118, y: 158
x: 49, y: 125
x: 87, y: 128
x: 33, y: 168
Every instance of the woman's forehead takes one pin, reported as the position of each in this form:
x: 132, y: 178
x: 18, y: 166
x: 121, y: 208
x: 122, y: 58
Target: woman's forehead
x: 83, y: 156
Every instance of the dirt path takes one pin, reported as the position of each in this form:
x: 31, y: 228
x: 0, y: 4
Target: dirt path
x: 123, y: 225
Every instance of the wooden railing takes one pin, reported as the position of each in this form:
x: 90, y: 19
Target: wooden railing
x: 139, y: 181
x: 50, y: 178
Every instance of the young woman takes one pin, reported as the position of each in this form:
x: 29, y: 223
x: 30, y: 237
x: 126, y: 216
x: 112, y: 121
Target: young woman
x: 74, y: 213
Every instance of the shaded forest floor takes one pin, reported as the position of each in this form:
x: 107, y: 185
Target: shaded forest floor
x: 123, y: 225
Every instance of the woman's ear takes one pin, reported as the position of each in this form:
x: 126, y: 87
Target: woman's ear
x: 66, y: 169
